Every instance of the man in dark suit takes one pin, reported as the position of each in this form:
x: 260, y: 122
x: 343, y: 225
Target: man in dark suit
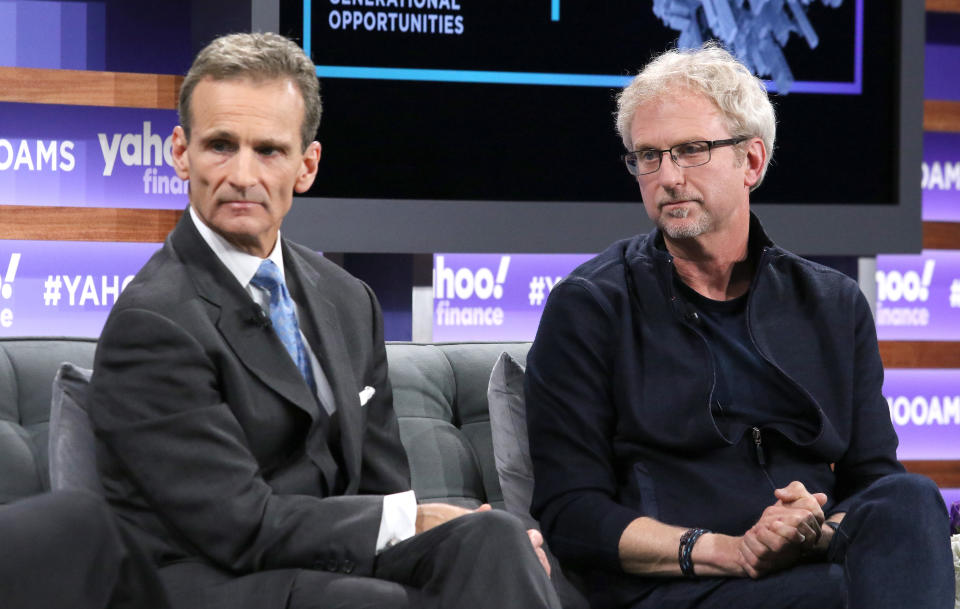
x: 244, y: 417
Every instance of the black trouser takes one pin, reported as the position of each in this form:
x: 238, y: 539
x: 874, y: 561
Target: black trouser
x: 481, y: 560
x: 64, y: 550
x: 892, y: 551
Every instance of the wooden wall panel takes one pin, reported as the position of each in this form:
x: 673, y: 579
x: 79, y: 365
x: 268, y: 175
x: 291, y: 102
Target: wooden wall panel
x: 945, y: 473
x: 943, y: 6
x: 941, y: 115
x: 920, y: 354
x: 86, y: 223
x: 89, y: 88
x: 941, y: 235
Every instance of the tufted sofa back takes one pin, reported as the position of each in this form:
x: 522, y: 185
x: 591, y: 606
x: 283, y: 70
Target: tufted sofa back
x: 440, y: 395
x: 27, y: 367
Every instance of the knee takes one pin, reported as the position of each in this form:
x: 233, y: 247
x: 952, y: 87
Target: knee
x: 72, y: 513
x: 498, y: 520
x: 91, y: 523
x: 496, y: 526
x: 907, y: 498
x: 89, y: 510
x: 909, y: 492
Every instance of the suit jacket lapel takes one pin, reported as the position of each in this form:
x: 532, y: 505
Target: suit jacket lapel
x: 307, y: 288
x: 256, y: 346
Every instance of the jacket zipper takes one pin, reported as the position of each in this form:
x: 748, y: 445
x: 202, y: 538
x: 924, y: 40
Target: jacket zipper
x: 761, y: 460
x: 755, y: 431
x: 803, y: 390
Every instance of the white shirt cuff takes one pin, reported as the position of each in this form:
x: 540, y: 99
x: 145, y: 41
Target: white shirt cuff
x: 398, y: 520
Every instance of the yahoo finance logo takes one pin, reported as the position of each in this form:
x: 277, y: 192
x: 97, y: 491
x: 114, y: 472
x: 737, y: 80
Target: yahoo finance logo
x: 88, y: 156
x: 918, y: 296
x: 142, y: 149
x: 494, y: 296
x: 906, y: 291
x: 473, y: 288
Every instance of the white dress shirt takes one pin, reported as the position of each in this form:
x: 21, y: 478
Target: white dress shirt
x: 398, y: 519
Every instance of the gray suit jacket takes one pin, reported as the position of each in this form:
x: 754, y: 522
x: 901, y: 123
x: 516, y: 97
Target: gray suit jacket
x: 212, y: 448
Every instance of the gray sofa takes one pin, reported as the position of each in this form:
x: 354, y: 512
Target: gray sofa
x: 440, y: 394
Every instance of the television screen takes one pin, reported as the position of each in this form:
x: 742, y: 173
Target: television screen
x: 466, y: 102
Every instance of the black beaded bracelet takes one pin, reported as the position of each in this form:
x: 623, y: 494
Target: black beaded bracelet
x: 685, y: 551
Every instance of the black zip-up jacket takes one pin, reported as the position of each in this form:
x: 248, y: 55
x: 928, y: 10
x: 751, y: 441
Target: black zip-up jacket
x: 618, y: 389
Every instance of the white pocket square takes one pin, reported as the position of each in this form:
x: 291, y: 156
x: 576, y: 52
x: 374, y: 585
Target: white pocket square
x: 366, y: 394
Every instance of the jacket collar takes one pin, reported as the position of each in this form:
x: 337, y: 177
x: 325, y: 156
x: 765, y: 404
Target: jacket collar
x: 236, y: 318
x: 321, y: 325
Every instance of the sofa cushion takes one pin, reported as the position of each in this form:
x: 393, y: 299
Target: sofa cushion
x: 27, y: 366
x: 472, y: 363
x: 443, y: 466
x: 73, y: 458
x: 440, y: 397
x: 511, y: 447
x: 508, y: 426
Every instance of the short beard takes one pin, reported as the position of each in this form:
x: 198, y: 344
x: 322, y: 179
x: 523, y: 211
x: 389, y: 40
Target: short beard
x: 685, y: 231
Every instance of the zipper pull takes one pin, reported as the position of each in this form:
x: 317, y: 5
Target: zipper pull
x: 756, y: 443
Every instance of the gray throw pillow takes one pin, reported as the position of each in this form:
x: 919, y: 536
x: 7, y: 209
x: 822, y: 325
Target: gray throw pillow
x: 73, y: 462
x: 511, y: 453
x: 508, y: 425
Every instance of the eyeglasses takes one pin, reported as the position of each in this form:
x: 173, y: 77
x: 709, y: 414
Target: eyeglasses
x: 687, y: 154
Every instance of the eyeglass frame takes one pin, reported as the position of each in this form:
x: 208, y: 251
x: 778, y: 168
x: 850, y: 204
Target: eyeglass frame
x: 711, y: 144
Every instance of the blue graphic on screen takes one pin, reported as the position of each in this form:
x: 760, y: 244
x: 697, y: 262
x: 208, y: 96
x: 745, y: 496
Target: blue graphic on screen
x: 754, y: 31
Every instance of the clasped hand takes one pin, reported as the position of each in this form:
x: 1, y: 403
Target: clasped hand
x: 430, y: 515
x: 784, y: 531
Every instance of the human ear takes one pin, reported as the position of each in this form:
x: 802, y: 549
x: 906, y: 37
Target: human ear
x: 178, y: 150
x: 756, y: 156
x: 308, y: 168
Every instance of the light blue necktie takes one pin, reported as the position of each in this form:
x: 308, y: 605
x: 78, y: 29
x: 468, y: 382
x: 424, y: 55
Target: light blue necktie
x: 284, y: 318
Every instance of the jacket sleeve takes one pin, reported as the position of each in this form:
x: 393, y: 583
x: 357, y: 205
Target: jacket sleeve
x: 571, y: 420
x: 156, y: 406
x: 872, y: 451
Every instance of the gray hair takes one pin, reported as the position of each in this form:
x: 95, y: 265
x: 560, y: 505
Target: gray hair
x: 713, y: 72
x: 260, y: 57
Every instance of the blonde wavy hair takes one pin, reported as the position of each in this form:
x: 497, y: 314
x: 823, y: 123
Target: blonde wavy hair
x: 713, y: 72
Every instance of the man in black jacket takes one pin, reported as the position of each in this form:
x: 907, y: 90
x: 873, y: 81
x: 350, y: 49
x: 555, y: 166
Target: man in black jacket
x: 703, y: 404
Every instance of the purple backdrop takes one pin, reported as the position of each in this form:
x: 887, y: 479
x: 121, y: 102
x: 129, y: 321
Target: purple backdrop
x: 63, y: 288
x: 918, y: 296
x: 950, y: 495
x: 494, y: 296
x: 925, y: 409
x: 52, y: 34
x: 941, y: 177
x: 86, y: 156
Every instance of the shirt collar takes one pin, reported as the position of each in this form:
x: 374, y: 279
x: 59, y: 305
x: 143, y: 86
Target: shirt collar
x: 241, y: 265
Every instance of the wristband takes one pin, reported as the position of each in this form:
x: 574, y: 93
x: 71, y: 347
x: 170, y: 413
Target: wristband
x: 685, y: 551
